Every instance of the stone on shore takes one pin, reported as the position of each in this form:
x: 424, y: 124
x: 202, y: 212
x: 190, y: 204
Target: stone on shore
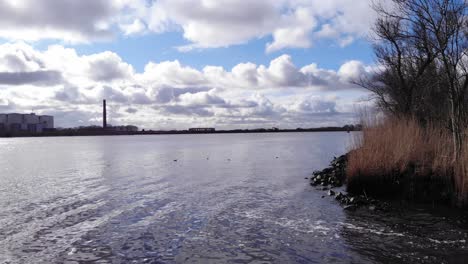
x: 335, y: 176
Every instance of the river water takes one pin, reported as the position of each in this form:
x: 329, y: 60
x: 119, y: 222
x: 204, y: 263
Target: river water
x: 231, y: 198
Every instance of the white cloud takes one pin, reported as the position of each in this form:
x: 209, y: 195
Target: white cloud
x: 352, y: 70
x: 137, y: 26
x: 171, y: 73
x: 19, y: 58
x: 282, y: 72
x: 290, y: 23
x: 69, y: 20
x: 108, y: 66
x: 296, y: 31
x: 71, y: 86
x: 314, y: 105
x: 203, y: 23
x: 54, y: 19
x: 201, y: 99
x: 220, y: 23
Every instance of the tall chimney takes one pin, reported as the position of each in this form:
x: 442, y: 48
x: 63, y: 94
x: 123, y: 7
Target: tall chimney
x: 104, y: 114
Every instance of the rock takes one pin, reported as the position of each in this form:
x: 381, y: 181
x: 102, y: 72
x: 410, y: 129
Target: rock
x: 339, y: 196
x: 335, y: 176
x: 351, y: 207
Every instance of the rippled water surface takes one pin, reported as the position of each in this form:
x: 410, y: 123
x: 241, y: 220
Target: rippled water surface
x: 237, y: 198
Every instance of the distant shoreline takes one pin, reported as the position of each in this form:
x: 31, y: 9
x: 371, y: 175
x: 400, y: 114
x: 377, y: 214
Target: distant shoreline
x: 71, y: 132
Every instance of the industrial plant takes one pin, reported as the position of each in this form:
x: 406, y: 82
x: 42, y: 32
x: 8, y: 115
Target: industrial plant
x: 14, y: 122
x: 202, y: 129
x: 108, y: 127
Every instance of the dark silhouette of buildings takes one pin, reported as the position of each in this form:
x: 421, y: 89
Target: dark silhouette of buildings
x: 14, y: 122
x: 202, y: 129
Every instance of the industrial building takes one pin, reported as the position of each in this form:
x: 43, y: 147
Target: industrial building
x: 33, y: 123
x: 108, y: 127
x: 202, y: 129
x: 128, y: 128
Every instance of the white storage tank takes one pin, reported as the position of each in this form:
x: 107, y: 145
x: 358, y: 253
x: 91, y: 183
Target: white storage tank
x: 26, y: 122
x: 31, y: 118
x: 14, y: 118
x: 47, y: 121
x: 3, y: 124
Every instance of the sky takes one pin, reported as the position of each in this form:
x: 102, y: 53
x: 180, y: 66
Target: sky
x: 175, y: 64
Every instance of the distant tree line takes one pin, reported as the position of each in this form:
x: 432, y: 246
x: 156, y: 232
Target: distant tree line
x: 422, y: 51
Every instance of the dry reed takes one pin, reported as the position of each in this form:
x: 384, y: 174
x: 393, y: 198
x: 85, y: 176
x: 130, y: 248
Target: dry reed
x: 390, y: 153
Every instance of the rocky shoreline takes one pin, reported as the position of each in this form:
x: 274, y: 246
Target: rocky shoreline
x: 332, y: 178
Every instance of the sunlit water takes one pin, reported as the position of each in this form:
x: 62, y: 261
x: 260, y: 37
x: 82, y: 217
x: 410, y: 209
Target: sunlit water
x: 237, y: 198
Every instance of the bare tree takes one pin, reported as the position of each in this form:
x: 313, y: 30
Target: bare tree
x: 446, y: 21
x: 422, y: 48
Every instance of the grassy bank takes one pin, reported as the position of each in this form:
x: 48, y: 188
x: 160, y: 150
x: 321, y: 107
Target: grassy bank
x: 400, y: 158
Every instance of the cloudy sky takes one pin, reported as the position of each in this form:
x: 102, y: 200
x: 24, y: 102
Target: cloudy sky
x: 165, y: 64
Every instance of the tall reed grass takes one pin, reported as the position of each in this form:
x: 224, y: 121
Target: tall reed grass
x: 400, y: 157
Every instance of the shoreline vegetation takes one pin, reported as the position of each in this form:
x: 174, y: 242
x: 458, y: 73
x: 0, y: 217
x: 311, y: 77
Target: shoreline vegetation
x: 103, y: 132
x: 332, y: 178
x: 414, y: 146
x: 398, y: 161
x: 401, y: 159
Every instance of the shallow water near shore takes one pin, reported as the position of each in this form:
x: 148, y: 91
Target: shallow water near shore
x: 220, y: 198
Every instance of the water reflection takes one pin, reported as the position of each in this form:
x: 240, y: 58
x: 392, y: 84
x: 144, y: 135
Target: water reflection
x: 227, y: 199
x: 414, y: 235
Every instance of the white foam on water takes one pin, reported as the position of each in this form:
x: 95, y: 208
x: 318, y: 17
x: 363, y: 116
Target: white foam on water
x: 381, y: 232
x: 461, y: 241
